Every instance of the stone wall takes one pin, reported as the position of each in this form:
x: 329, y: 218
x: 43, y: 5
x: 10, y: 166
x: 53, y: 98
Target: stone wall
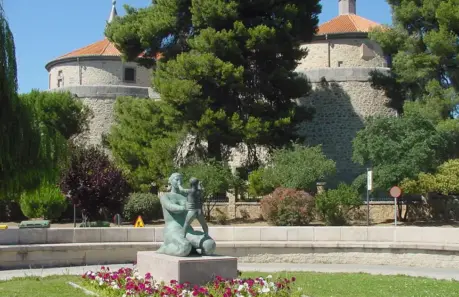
x: 380, y: 212
x: 97, y: 72
x: 343, y: 53
x: 101, y: 100
x: 341, y: 101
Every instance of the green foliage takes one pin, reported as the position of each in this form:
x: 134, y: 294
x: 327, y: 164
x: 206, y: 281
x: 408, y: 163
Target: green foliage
x: 445, y: 181
x: 298, y: 167
x: 287, y: 207
x: 258, y: 186
x: 146, y: 205
x: 59, y: 111
x: 424, y: 48
x: 32, y: 148
x: 215, y: 176
x: 143, y: 141
x: 45, y: 202
x: 216, y: 179
x: 227, y: 70
x: 399, y: 148
x: 334, y: 205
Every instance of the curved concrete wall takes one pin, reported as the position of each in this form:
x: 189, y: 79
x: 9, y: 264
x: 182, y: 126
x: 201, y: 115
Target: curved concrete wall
x: 401, y: 246
x: 355, y: 52
x: 97, y: 72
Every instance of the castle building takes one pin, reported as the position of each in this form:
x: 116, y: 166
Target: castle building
x: 97, y: 75
x: 338, y: 65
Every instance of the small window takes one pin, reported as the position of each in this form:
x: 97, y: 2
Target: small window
x: 340, y: 63
x: 60, y: 83
x: 129, y: 74
x: 59, y: 73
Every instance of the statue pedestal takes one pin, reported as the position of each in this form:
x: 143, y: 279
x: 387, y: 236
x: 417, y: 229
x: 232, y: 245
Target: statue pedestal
x: 197, y: 270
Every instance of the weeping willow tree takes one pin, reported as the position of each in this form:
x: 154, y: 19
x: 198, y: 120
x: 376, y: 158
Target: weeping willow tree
x: 29, y: 150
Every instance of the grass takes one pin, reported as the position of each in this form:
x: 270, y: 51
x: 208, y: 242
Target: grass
x: 52, y: 286
x: 311, y: 284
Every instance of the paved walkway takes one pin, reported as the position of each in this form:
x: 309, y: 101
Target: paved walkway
x: 436, y: 273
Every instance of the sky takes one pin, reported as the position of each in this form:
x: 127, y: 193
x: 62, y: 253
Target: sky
x: 44, y: 30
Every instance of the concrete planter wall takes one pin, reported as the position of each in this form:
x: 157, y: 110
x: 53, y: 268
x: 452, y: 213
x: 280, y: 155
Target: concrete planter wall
x: 405, y: 246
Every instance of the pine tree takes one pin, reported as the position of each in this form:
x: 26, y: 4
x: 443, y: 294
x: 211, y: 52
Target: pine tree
x: 424, y: 49
x: 226, y: 68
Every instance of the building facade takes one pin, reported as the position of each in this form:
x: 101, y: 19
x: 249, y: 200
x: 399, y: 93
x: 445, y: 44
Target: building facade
x: 97, y: 75
x: 338, y: 64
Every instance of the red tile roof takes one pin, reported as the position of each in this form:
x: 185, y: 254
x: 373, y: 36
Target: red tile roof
x: 348, y: 23
x: 99, y: 48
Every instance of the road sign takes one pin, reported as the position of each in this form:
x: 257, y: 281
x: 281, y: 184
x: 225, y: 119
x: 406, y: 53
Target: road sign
x: 369, y: 180
x: 139, y: 223
x: 395, y: 192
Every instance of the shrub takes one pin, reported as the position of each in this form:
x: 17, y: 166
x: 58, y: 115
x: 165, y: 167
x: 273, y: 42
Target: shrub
x: 45, y: 202
x: 334, y: 205
x: 298, y: 167
x: 146, y: 205
x: 258, y: 186
x: 287, y: 207
x: 93, y: 183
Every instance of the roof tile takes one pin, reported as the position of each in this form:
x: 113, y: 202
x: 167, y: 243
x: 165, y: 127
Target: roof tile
x: 348, y: 23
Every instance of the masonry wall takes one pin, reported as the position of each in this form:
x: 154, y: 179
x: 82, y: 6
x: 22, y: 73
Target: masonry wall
x: 101, y: 100
x: 340, y: 112
x: 351, y: 52
x: 102, y: 72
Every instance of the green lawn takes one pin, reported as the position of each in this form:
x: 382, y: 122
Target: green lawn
x: 311, y: 284
x: 53, y: 286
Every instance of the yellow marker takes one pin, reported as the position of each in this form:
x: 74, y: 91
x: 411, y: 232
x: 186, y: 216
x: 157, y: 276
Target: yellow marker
x: 139, y: 222
x: 3, y: 227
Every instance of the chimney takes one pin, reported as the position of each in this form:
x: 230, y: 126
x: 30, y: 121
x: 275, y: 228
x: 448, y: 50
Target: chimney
x: 347, y: 7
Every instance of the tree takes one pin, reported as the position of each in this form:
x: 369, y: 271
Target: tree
x: 19, y: 141
x: 226, y: 68
x: 296, y: 167
x: 423, y: 46
x: 34, y: 134
x: 399, y: 148
x: 143, y: 141
x: 93, y: 183
x: 59, y: 111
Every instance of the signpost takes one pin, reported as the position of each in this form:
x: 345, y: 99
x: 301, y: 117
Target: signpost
x: 369, y: 189
x: 395, y: 192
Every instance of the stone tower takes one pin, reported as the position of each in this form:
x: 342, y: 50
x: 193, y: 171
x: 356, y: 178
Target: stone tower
x: 97, y: 75
x: 338, y: 65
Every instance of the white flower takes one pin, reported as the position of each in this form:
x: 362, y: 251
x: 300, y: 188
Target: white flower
x: 269, y: 276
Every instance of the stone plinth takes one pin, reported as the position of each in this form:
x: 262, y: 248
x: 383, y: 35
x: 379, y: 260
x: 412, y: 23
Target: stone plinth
x: 198, y: 270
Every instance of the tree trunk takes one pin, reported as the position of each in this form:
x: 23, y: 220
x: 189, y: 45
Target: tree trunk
x: 214, y: 148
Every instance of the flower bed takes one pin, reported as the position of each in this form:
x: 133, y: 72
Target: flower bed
x: 127, y: 282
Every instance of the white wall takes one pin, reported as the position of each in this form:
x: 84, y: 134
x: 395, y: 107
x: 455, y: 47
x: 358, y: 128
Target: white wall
x: 349, y: 51
x: 102, y: 72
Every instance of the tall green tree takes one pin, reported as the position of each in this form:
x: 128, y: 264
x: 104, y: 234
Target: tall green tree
x: 399, y: 148
x: 22, y: 156
x: 227, y: 67
x: 143, y: 141
x: 424, y: 49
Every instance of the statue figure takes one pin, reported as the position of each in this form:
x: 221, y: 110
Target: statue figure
x: 194, y: 206
x: 175, y: 212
